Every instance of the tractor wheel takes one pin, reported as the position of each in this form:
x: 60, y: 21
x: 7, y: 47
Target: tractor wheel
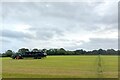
x: 17, y: 57
x: 35, y: 57
x: 39, y: 57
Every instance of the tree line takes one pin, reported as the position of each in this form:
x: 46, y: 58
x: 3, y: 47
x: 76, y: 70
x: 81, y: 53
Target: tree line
x: 62, y: 51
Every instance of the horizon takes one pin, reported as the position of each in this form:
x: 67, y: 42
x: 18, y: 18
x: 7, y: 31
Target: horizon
x: 59, y: 48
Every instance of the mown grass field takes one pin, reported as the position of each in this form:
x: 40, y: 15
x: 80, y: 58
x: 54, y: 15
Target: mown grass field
x: 61, y: 67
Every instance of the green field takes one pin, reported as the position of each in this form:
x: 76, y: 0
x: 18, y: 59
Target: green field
x: 61, y: 67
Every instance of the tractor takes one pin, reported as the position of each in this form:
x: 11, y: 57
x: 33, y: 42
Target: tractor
x: 16, y: 56
x: 35, y: 55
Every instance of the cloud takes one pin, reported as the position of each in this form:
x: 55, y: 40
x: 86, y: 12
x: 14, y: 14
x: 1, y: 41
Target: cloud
x: 15, y: 34
x: 97, y: 43
x: 46, y: 33
x: 4, y: 40
x: 65, y: 12
x: 60, y: 24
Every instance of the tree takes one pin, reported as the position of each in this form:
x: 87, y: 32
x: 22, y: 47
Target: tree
x: 62, y: 51
x: 111, y: 51
x: 95, y: 52
x: 23, y: 50
x: 8, y: 53
x: 51, y: 52
x: 70, y: 53
x: 81, y: 51
x: 35, y: 50
x: 44, y: 50
x: 101, y: 51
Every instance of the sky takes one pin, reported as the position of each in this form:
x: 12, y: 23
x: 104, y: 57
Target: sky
x: 70, y: 25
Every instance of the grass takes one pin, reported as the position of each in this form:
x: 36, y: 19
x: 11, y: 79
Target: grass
x: 61, y: 67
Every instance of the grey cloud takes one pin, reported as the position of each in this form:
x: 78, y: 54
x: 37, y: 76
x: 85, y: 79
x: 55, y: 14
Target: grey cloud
x: 5, y: 41
x: 47, y: 33
x: 97, y: 43
x: 40, y: 34
x: 16, y: 34
x: 67, y: 13
x: 44, y: 35
x: 53, y: 19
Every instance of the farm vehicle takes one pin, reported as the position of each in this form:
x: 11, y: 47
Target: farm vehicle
x: 35, y: 55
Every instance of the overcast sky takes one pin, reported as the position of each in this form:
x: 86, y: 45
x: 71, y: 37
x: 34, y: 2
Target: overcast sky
x: 69, y: 25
